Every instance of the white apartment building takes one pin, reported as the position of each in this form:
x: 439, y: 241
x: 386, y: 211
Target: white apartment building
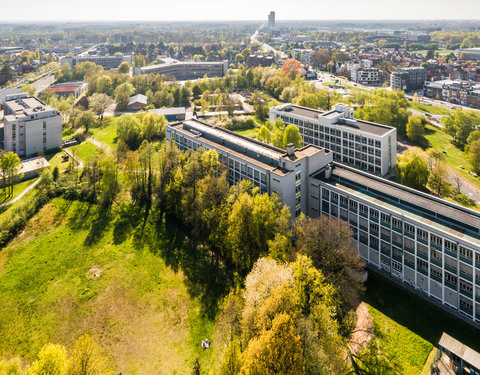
x: 107, y: 62
x: 273, y: 170
x: 30, y: 126
x: 424, y: 243
x: 365, y: 76
x: 362, y: 144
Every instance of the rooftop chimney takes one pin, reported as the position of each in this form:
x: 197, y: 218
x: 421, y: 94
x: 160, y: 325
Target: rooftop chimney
x: 290, y: 149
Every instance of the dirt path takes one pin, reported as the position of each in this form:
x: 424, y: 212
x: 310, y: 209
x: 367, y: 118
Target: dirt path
x: 363, y: 332
x: 22, y: 194
x: 92, y: 140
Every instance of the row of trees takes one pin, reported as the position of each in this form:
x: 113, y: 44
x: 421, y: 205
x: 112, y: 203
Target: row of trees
x: 9, y: 168
x: 85, y: 358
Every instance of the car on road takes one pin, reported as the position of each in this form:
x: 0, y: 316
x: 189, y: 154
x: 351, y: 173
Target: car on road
x: 473, y: 174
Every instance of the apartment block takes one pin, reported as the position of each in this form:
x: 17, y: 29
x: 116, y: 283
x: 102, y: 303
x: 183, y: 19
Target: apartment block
x: 423, y: 242
x: 407, y: 79
x: 30, y: 126
x: 362, y: 144
x: 273, y: 170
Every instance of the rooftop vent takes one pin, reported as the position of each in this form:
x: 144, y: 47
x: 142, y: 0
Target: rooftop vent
x: 290, y: 149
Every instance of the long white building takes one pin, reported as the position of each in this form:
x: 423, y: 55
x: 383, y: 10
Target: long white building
x: 273, y: 170
x: 183, y: 70
x: 362, y: 144
x: 423, y: 242
x: 30, y: 126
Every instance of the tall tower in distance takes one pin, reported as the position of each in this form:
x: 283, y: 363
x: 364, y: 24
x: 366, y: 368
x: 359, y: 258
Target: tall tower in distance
x: 271, y: 20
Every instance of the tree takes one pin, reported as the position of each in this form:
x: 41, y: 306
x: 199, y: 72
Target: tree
x: 415, y: 128
x: 412, y: 168
x: 87, y: 359
x: 329, y: 243
x: 196, y: 367
x: 474, y: 155
x: 124, y: 67
x: 11, y: 367
x: 292, y: 135
x: 64, y: 74
x: 460, y: 124
x: 85, y: 119
x: 122, y: 95
x: 9, y: 167
x: 99, y: 103
x: 109, y: 185
x: 231, y: 359
x: 277, y: 138
x: 264, y: 134
x: 276, y: 351
x: 415, y: 98
x: 129, y: 131
x: 52, y: 360
x: 291, y: 67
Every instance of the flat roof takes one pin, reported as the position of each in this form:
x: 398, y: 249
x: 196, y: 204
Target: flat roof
x: 33, y: 164
x: 456, y: 347
x: 169, y: 111
x: 314, y: 114
x: 410, y: 202
x: 198, y: 129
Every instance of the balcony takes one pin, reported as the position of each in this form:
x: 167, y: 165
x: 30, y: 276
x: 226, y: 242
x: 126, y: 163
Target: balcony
x: 466, y: 260
x: 409, y: 250
x: 422, y: 271
x: 450, y: 268
x: 450, y: 285
x: 466, y: 293
x: 466, y: 276
x: 466, y: 310
x: 409, y: 264
x: 423, y: 256
x: 436, y: 278
x: 451, y: 253
x: 437, y: 262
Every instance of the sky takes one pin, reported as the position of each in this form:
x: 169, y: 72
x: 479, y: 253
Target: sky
x: 170, y: 10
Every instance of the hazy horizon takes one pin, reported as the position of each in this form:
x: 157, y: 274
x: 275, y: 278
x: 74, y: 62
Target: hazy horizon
x: 214, y: 10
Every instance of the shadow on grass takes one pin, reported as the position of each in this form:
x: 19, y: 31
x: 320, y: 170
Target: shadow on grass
x: 205, y: 278
x: 99, y: 226
x: 417, y: 314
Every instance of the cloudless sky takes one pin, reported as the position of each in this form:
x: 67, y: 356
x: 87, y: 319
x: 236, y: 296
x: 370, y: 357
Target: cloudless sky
x: 170, y: 10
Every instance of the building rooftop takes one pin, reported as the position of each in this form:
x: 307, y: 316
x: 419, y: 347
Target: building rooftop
x: 169, y: 111
x: 139, y: 98
x: 34, y: 164
x: 456, y: 347
x: 25, y: 106
x: 255, y: 152
x: 315, y: 114
x: 443, y: 215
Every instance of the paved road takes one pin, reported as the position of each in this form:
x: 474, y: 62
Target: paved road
x: 43, y: 83
x: 266, y: 47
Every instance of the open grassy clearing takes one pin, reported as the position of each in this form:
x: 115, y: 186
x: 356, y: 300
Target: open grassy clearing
x: 67, y: 132
x: 432, y: 109
x: 55, y: 160
x: 441, y: 52
x: 106, y: 132
x: 86, y: 151
x: 77, y: 269
x: 408, y: 326
x: 454, y: 157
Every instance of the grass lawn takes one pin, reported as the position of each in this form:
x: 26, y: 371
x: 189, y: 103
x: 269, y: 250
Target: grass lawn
x: 56, y: 161
x: 17, y: 190
x: 410, y: 326
x: 432, y: 109
x: 441, y: 52
x: 86, y: 151
x: 106, y: 132
x: 67, y: 132
x: 77, y: 269
x: 454, y: 157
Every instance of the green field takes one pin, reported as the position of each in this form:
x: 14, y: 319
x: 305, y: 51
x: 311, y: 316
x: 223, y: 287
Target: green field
x: 77, y: 269
x: 455, y: 157
x: 86, y: 151
x: 432, y: 109
x: 106, y: 133
x: 441, y: 52
x: 408, y: 326
x: 17, y: 190
x: 67, y: 132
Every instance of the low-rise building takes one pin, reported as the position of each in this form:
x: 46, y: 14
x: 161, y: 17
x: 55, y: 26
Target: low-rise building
x: 273, y: 170
x: 457, y: 92
x: 137, y: 103
x: 171, y: 114
x: 32, y: 167
x: 68, y: 88
x: 366, y: 76
x: 362, y: 144
x: 30, y: 126
x: 260, y: 60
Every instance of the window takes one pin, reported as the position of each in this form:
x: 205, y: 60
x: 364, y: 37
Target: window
x: 374, y: 214
x: 451, y: 279
x: 343, y: 200
x: 397, y: 266
x: 325, y: 193
x: 435, y: 272
x: 435, y: 240
x: 385, y: 218
x: 397, y: 223
x: 466, y: 253
x: 409, y: 228
x: 421, y: 234
x: 374, y: 228
x: 363, y: 209
x: 422, y: 265
x: 467, y: 287
x: 353, y: 206
x: 450, y: 246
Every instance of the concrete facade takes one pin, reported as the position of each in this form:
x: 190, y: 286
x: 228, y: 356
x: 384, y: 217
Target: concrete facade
x: 30, y: 126
x: 365, y: 145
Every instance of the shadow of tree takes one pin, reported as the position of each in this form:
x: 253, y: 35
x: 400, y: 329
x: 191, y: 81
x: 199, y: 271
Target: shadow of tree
x: 99, y: 225
x: 206, y: 278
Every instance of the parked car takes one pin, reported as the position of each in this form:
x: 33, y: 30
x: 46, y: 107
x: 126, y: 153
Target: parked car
x: 473, y: 174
